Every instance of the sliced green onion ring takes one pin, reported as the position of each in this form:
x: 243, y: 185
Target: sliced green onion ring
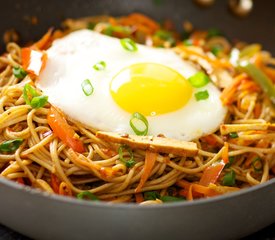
x: 19, y: 72
x: 100, y: 66
x: 10, y: 145
x: 199, y: 80
x: 152, y: 195
x: 257, y: 164
x: 87, y: 87
x: 231, y: 161
x: 29, y: 93
x: 39, y: 101
x: 233, y: 135
x: 128, y: 44
x: 87, y: 195
x: 128, y: 162
x: 139, y: 124
x: 229, y: 178
x: 202, y: 95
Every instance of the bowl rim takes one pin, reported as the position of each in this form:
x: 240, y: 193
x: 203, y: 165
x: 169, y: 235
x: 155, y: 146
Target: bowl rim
x: 102, y: 204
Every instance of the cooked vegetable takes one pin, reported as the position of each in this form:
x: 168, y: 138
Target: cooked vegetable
x: 10, y: 145
x: 199, y: 80
x: 63, y: 130
x: 87, y: 195
x: 260, y: 78
x: 229, y: 178
x: 100, y: 66
x: 171, y: 199
x: 139, y: 124
x: 19, y: 72
x: 212, y: 173
x: 128, y: 162
x: 87, y: 87
x: 257, y: 164
x: 32, y: 98
x: 233, y: 135
x: 202, y: 95
x: 128, y: 44
x: 152, y: 195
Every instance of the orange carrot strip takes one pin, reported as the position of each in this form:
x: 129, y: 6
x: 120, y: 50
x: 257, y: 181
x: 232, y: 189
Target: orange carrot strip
x: 227, y: 95
x: 150, y: 159
x: 190, y: 193
x: 55, y: 183
x: 63, y: 130
x: 211, y: 173
x: 210, y: 139
x: 20, y: 181
x: 44, y: 42
x: 139, y: 197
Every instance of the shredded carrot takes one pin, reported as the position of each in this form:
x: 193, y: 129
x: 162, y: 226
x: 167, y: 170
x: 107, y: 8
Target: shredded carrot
x: 249, y: 85
x: 225, y: 157
x: 212, y: 173
x: 216, y: 63
x: 20, y: 181
x: 150, y: 159
x: 144, y: 20
x: 228, y: 93
x: 64, y: 189
x: 55, y: 183
x: 190, y: 193
x: 44, y: 42
x: 139, y: 197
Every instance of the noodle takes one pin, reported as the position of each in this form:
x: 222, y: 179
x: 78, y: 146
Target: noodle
x: 45, y: 162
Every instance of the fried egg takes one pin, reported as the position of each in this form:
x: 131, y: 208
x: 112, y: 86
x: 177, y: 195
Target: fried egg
x: 150, y: 81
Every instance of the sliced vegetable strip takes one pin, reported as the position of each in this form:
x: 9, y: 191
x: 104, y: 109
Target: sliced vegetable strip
x: 63, y: 130
x: 150, y: 159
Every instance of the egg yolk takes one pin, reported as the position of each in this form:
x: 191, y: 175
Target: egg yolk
x: 150, y: 89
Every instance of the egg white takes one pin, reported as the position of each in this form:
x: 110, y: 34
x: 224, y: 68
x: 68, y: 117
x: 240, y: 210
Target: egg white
x: 70, y: 62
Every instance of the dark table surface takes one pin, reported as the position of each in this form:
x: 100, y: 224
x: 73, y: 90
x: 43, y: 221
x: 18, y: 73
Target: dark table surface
x: 267, y: 233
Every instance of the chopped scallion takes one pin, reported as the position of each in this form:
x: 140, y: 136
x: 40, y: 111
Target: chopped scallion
x: 139, y: 124
x: 216, y: 50
x: 188, y: 42
x: 19, y: 72
x: 87, y: 195
x: 229, y: 178
x: 128, y: 162
x: 230, y: 162
x: 32, y: 98
x: 10, y: 145
x: 257, y: 164
x: 213, y: 32
x: 202, y: 95
x: 152, y: 195
x: 100, y: 66
x: 128, y: 44
x: 87, y: 87
x: 166, y: 36
x: 199, y: 80
x: 233, y: 135
x: 171, y: 199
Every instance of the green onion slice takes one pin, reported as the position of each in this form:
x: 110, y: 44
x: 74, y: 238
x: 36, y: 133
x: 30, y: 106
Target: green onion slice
x: 233, y: 135
x: 39, y: 101
x: 128, y: 44
x: 171, y: 199
x: 19, y: 72
x: 188, y: 42
x: 213, y: 32
x: 87, y: 195
x: 139, y: 124
x: 152, y: 195
x: 230, y: 162
x: 32, y: 98
x: 229, y: 178
x: 257, y: 164
x: 202, y: 95
x: 87, y: 87
x: 128, y: 162
x: 166, y: 36
x: 28, y: 93
x: 10, y: 145
x: 259, y: 77
x: 199, y: 80
x: 216, y: 50
x: 109, y: 30
x: 100, y: 66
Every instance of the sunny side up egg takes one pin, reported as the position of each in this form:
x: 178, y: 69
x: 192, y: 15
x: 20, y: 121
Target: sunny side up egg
x: 150, y: 81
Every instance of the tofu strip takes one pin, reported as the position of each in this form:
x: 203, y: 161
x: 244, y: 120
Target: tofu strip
x: 154, y: 144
